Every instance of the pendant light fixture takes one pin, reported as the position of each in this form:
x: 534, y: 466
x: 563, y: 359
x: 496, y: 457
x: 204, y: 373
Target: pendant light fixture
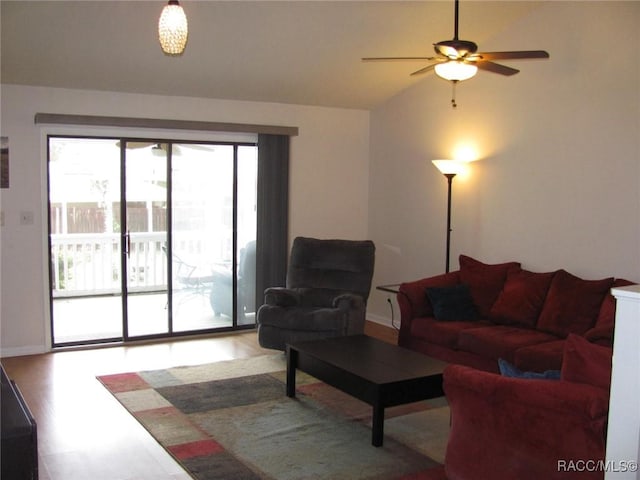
x: 173, y: 29
x: 456, y: 70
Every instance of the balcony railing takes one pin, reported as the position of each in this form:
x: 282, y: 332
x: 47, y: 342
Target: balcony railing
x: 90, y: 264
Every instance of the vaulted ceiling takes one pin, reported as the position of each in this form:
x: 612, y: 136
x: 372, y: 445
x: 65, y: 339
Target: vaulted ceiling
x: 301, y: 52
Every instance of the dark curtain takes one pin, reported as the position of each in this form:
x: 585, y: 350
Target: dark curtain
x: 273, y: 213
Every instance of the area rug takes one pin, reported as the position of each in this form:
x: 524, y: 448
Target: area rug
x: 232, y: 420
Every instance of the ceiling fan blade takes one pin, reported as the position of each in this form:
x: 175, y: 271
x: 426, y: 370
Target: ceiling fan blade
x: 496, y: 68
x: 395, y: 59
x: 523, y: 54
x: 426, y: 69
x: 135, y: 145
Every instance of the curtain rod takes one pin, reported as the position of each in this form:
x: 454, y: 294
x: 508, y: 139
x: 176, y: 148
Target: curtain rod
x: 159, y: 123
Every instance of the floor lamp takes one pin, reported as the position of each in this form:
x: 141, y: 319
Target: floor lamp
x: 449, y: 168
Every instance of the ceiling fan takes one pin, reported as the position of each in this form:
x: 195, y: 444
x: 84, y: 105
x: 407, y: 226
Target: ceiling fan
x: 457, y: 60
x: 161, y: 149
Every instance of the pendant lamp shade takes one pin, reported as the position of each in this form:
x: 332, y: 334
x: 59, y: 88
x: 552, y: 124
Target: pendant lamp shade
x: 173, y: 29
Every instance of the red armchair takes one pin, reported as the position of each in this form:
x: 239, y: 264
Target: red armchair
x: 506, y: 428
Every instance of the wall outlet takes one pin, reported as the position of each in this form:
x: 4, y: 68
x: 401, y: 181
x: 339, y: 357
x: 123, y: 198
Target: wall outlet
x: 26, y: 218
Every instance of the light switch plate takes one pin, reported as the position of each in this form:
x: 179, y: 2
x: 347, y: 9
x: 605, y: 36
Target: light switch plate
x: 26, y: 218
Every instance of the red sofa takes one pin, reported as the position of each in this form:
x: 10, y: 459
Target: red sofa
x: 505, y: 428
x: 520, y: 316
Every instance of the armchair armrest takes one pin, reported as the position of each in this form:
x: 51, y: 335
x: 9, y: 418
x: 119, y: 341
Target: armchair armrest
x: 281, y: 297
x: 348, y: 301
x: 521, y: 428
x: 563, y: 397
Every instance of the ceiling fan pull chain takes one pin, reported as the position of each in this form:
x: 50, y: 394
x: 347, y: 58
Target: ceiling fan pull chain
x: 453, y: 94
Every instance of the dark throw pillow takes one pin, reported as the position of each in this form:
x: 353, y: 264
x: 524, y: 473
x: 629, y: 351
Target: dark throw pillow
x: 452, y: 303
x: 509, y: 370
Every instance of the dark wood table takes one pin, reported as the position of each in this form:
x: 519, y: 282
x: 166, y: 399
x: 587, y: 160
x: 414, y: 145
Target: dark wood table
x: 376, y: 372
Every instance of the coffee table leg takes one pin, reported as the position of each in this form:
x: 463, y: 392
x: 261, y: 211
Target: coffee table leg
x: 377, y: 426
x: 292, y: 362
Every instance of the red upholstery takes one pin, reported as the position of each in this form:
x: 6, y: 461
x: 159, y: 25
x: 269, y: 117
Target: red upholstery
x: 564, y: 304
x: 541, y: 357
x: 413, y: 300
x: 508, y: 428
x: 572, y: 304
x: 500, y: 341
x: 522, y: 298
x: 585, y: 362
x: 442, y: 333
x: 485, y: 281
x: 602, y: 332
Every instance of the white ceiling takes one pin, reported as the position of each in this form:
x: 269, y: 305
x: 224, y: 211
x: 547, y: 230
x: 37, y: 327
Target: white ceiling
x: 301, y: 52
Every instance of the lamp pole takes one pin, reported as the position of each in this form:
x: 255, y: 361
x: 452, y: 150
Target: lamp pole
x: 449, y: 168
x: 449, y: 182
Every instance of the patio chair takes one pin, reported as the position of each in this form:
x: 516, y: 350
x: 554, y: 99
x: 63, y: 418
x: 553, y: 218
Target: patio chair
x: 221, y: 296
x: 188, y: 277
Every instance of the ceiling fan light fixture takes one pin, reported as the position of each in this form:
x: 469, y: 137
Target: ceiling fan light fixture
x: 173, y: 29
x: 456, y: 70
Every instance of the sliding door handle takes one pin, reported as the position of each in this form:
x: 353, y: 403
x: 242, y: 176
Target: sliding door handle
x: 127, y: 247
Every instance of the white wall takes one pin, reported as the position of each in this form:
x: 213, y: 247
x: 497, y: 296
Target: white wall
x: 328, y: 177
x: 557, y: 183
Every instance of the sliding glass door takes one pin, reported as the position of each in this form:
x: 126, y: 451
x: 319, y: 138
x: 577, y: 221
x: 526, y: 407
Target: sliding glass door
x: 145, y: 201
x: 213, y: 235
x: 85, y: 240
x: 150, y: 238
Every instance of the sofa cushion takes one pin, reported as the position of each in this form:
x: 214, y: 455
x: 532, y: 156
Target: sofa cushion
x: 452, y: 303
x: 304, y: 318
x: 585, y: 362
x: 442, y: 333
x: 540, y: 357
x: 500, y: 341
x: 602, y: 331
x: 485, y: 281
x: 522, y: 298
x: 572, y: 304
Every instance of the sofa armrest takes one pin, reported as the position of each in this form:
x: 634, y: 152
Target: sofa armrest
x: 281, y: 297
x: 522, y: 428
x: 413, y: 301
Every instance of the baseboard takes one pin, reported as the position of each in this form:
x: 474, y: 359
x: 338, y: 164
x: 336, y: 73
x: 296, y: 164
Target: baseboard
x: 379, y: 319
x: 22, y: 351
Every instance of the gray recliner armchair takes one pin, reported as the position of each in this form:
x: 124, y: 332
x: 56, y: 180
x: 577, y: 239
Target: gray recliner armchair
x: 327, y: 287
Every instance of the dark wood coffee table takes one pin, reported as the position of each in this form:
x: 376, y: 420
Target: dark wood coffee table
x: 376, y: 372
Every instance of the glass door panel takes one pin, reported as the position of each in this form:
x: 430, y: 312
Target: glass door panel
x: 146, y: 239
x: 246, y: 236
x: 119, y: 227
x: 84, y: 239
x: 202, y: 236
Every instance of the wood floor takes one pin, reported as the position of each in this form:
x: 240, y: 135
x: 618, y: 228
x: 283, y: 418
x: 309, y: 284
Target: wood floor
x: 84, y: 433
